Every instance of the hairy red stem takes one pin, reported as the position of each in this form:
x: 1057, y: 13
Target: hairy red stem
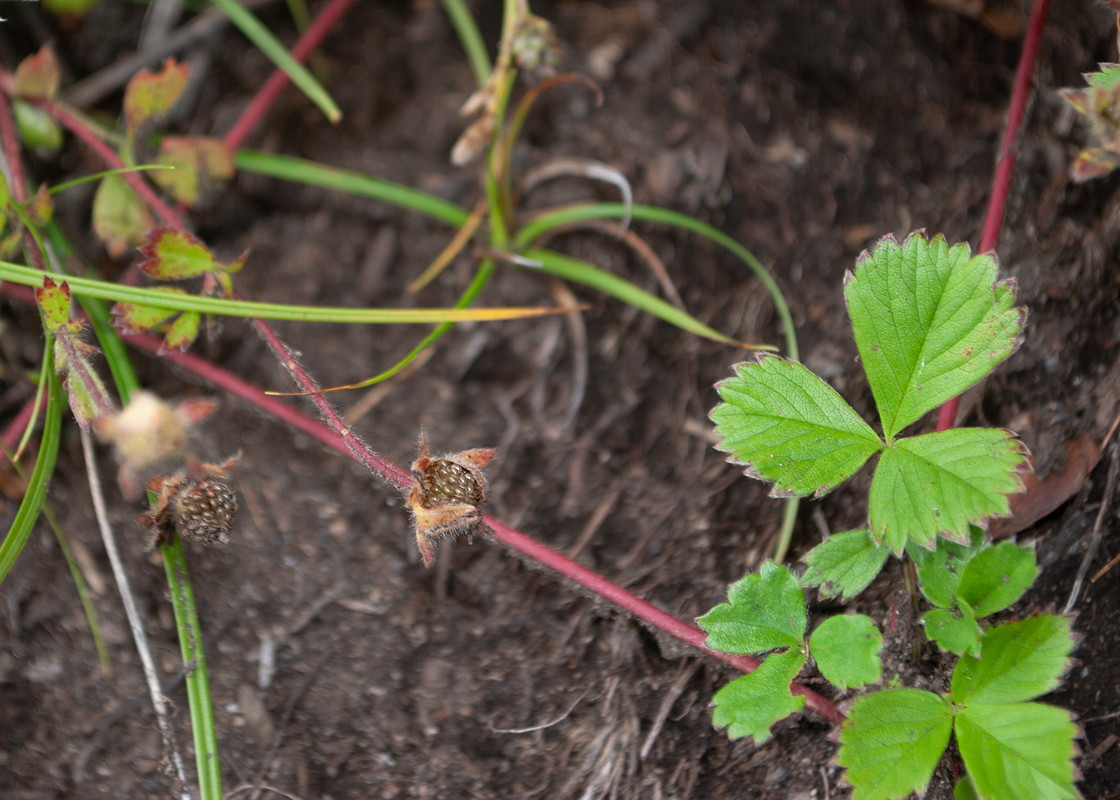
x: 278, y: 80
x: 1005, y: 164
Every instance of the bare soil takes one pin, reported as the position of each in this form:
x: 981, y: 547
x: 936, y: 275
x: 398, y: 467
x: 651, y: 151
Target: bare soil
x: 804, y: 130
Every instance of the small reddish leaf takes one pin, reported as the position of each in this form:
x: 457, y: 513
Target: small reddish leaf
x: 1093, y: 162
x: 129, y: 318
x: 152, y: 94
x: 120, y: 220
x: 40, y: 209
x: 183, y: 332
x: 37, y: 75
x: 54, y: 300
x: 175, y: 255
x: 195, y: 411
x: 199, y: 163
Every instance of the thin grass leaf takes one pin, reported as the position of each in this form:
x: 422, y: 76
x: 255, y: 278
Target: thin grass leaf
x: 469, y: 36
x: 577, y: 271
x: 32, y: 502
x: 62, y: 187
x: 244, y: 308
x: 454, y: 247
x: 268, y: 44
x: 83, y: 591
x: 481, y: 278
x: 529, y: 232
x: 299, y: 170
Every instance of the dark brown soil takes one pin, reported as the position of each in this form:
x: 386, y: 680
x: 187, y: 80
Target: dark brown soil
x: 806, y: 131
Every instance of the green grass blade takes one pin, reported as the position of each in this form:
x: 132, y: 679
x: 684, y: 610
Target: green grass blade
x: 577, y: 271
x: 299, y: 170
x: 44, y: 467
x: 62, y: 187
x: 470, y: 38
x: 105, y: 290
x: 83, y: 591
x: 481, y: 278
x: 531, y: 231
x: 194, y: 660
x: 268, y: 44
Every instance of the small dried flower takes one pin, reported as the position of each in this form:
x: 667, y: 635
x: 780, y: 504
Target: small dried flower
x: 445, y: 496
x: 150, y: 431
x: 194, y: 503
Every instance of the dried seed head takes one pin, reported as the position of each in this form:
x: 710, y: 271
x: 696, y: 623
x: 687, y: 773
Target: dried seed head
x: 204, y: 511
x: 193, y: 501
x: 445, y: 495
x: 445, y: 482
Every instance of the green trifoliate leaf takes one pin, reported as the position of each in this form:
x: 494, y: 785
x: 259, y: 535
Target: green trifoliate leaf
x: 936, y: 484
x: 787, y: 426
x: 1021, y: 660
x: 940, y: 570
x: 954, y: 629
x: 1019, y: 750
x: 892, y: 741
x: 846, y: 648
x: 929, y: 320
x: 845, y: 564
x: 751, y: 704
x: 996, y: 578
x: 764, y: 612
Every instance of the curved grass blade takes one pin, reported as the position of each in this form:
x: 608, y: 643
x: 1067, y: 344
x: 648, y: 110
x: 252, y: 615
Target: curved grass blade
x: 299, y: 170
x: 268, y: 44
x: 577, y: 271
x: 463, y: 23
x: 244, y: 308
x: 454, y: 247
x: 481, y: 278
x: 530, y: 231
x: 44, y: 467
x: 62, y: 187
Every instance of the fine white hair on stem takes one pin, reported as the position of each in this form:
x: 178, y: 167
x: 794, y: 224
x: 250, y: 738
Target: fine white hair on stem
x: 138, y: 635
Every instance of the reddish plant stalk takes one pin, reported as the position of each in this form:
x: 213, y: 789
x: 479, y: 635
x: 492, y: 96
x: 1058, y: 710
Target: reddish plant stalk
x: 267, y: 94
x: 1005, y: 164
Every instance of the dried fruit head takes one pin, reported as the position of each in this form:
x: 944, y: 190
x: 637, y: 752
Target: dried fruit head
x: 193, y: 502
x: 445, y: 496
